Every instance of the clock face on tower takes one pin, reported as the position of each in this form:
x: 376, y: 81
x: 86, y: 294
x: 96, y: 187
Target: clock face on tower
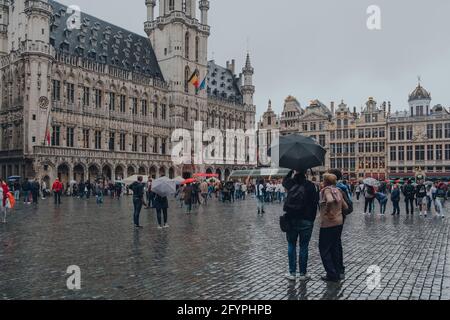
x: 43, y: 102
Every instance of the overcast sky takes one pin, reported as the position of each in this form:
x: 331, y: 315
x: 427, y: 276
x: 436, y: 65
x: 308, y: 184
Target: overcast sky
x: 321, y: 48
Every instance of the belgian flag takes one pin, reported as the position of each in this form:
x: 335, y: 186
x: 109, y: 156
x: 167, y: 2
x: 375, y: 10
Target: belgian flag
x: 195, y: 80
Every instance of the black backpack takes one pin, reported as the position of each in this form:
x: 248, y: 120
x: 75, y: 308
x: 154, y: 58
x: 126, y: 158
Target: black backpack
x: 295, y: 200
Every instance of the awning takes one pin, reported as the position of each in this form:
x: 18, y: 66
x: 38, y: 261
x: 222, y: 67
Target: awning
x: 263, y: 172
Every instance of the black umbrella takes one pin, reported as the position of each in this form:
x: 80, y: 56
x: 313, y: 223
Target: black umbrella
x: 298, y: 152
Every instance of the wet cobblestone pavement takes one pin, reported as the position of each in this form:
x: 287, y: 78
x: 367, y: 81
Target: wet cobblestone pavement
x: 219, y: 252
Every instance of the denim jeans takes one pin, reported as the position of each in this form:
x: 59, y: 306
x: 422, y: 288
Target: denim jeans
x: 158, y: 216
x: 26, y: 196
x: 369, y: 204
x: 137, y: 210
x: 383, y: 206
x: 17, y: 195
x: 396, y: 207
x: 299, y: 230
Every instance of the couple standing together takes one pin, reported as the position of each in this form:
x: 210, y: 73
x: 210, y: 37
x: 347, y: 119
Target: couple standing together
x: 303, y: 200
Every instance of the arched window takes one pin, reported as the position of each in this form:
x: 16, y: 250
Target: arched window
x: 171, y: 5
x: 187, y: 74
x: 197, y: 48
x: 186, y: 45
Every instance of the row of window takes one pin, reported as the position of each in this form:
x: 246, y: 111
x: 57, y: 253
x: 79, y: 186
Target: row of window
x: 345, y: 164
x: 412, y: 169
x: 343, y: 134
x: 399, y: 133
x: 339, y: 148
x: 371, y: 147
x: 372, y: 163
x: 137, y: 106
x: 97, y: 135
x: 430, y: 153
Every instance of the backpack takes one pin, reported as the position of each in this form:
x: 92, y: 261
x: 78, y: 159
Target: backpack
x: 295, y: 200
x: 349, y: 203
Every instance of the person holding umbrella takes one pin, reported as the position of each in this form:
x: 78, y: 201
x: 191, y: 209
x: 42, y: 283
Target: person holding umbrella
x: 162, y: 188
x: 301, y: 210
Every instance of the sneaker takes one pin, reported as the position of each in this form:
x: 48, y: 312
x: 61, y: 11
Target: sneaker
x: 290, y: 276
x: 166, y: 226
x: 160, y: 228
x: 304, y: 277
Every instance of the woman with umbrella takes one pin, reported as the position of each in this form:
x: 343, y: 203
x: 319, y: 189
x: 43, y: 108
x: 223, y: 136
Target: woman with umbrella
x: 369, y: 195
x: 162, y: 188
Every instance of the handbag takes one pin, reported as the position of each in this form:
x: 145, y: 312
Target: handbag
x: 284, y: 223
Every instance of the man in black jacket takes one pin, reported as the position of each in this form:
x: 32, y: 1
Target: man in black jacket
x: 301, y: 209
x: 138, y: 200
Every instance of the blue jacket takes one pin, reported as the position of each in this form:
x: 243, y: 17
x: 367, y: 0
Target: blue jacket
x: 345, y: 188
x: 381, y: 197
x: 395, y: 195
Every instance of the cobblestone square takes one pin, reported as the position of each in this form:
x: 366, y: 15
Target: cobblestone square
x: 221, y: 251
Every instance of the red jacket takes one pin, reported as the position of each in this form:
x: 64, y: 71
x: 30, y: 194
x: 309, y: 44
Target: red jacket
x: 5, y: 189
x: 57, y: 186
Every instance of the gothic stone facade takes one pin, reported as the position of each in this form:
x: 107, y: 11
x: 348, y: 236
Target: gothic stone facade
x: 96, y: 100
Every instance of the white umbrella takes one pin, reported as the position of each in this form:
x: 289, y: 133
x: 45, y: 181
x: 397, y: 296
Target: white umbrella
x: 134, y: 178
x: 164, y: 187
x: 371, y: 182
x: 178, y: 180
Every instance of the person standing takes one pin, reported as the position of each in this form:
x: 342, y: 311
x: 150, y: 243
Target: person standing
x: 301, y: 210
x: 369, y: 198
x: 244, y: 189
x: 421, y: 196
x: 204, y: 191
x: 260, y: 196
x: 35, y: 187
x: 331, y: 205
x: 4, y: 199
x: 188, y: 197
x: 16, y: 186
x: 98, y: 189
x: 138, y: 200
x: 409, y: 192
x: 440, y: 200
x: 395, y: 198
x: 150, y: 194
x: 347, y: 197
x: 26, y: 191
x: 44, y: 189
x: 358, y: 192
x: 161, y: 205
x: 57, y: 189
x: 382, y: 200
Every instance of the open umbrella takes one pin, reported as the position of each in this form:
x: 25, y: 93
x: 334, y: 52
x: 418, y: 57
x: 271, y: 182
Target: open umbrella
x: 164, y: 187
x: 206, y: 175
x: 371, y: 182
x: 187, y: 181
x: 134, y: 178
x: 298, y: 152
x: 178, y: 180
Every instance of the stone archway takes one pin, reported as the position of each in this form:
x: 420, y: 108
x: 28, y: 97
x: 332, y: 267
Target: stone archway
x: 162, y: 171
x: 131, y: 171
x: 93, y: 172
x: 63, y: 173
x: 107, y: 172
x: 78, y: 173
x: 219, y: 173
x: 209, y: 171
x: 171, y: 173
x: 227, y: 173
x: 152, y: 172
x: 47, y: 181
x: 142, y: 171
x: 119, y: 173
